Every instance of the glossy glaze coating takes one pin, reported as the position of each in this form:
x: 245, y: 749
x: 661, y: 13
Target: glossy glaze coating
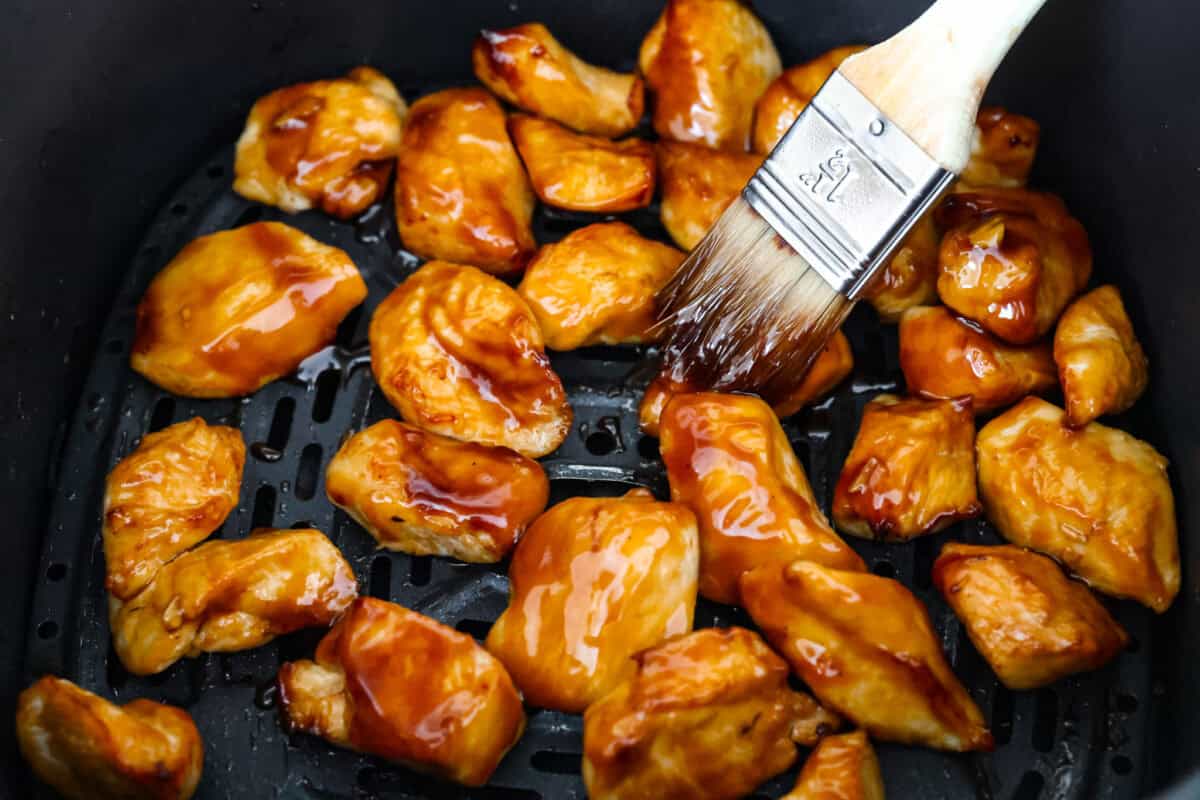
x: 698, y: 183
x: 790, y: 93
x: 1096, y: 499
x: 594, y: 580
x: 910, y: 278
x: 1003, y: 150
x: 459, y: 353
x: 842, y: 767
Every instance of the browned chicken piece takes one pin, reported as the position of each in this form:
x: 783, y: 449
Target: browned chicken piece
x: 911, y: 470
x: 90, y: 749
x: 1003, y: 149
x: 790, y: 93
x: 170, y: 493
x: 707, y: 62
x: 526, y: 66
x: 461, y: 192
x: 1101, y: 364
x: 945, y: 356
x: 1011, y: 260
x: 232, y: 595
x: 910, y: 278
x: 328, y: 144
x: 1095, y: 499
x: 397, y: 684
x: 459, y: 353
x: 706, y: 716
x: 866, y: 648
x: 729, y: 460
x: 425, y: 494
x: 594, y: 580
x: 583, y: 173
x: 1031, y: 622
x: 698, y: 183
x: 842, y: 767
x: 597, y: 286
x: 237, y: 309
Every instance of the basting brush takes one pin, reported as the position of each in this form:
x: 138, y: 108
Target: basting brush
x: 756, y: 300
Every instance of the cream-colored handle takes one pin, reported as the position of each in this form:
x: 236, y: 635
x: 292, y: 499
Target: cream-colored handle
x: 930, y: 77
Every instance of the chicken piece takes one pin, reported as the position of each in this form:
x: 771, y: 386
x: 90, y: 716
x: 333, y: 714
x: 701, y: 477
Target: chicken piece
x: 842, y: 767
x: 461, y: 192
x: 1031, y: 622
x: 910, y: 278
x: 90, y: 749
x: 597, y: 286
x: 459, y: 353
x: 237, y: 309
x: 911, y: 470
x: 1011, y: 260
x: 1003, y: 149
x: 230, y: 595
x: 583, y: 173
x: 425, y: 494
x: 865, y: 646
x: 729, y: 460
x: 698, y: 183
x: 706, y: 716
x: 526, y: 66
x: 170, y: 493
x: 1101, y: 365
x: 944, y: 356
x: 707, y: 62
x: 790, y: 93
x: 1095, y: 498
x: 594, y: 580
x: 397, y: 684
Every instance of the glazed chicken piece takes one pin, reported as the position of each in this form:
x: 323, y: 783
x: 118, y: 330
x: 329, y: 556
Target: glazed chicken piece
x: 910, y: 278
x: 461, y: 192
x: 90, y: 749
x: 583, y: 173
x: 237, y: 309
x: 459, y: 353
x: 594, y: 580
x: 1095, y: 499
x: 706, y: 716
x: 790, y: 93
x: 1003, y: 149
x: 866, y: 648
x: 425, y: 494
x: 729, y: 460
x: 1031, y: 622
x: 597, y: 286
x: 842, y: 767
x: 170, y: 493
x: 230, y: 595
x: 397, y: 684
x: 944, y: 356
x: 1011, y: 260
x: 526, y: 66
x: 1101, y: 365
x: 707, y: 62
x: 911, y: 470
x: 698, y: 183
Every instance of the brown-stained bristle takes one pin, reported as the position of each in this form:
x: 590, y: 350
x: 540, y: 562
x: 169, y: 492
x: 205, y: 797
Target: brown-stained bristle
x: 745, y: 312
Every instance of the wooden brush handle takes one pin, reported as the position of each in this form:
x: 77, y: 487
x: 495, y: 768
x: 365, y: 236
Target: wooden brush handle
x: 930, y: 77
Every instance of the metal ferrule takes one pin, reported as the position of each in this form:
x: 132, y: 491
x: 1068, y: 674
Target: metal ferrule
x: 844, y: 186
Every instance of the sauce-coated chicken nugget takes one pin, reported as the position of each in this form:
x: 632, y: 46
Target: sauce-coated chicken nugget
x: 698, y: 183
x: 842, y: 767
x: 791, y: 92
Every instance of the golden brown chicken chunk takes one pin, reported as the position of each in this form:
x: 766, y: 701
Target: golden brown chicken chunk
x: 232, y: 595
x: 706, y: 716
x: 425, y: 494
x: 327, y: 143
x: 1101, y: 364
x: 729, y: 460
x: 237, y: 309
x: 910, y: 278
x: 698, y: 183
x: 397, y: 684
x: 90, y: 749
x: 594, y: 580
x: 583, y: 173
x: 1096, y: 499
x: 842, y: 767
x: 1003, y: 149
x: 461, y: 192
x: 1031, y: 622
x: 707, y: 62
x: 946, y: 357
x: 790, y: 93
x: 911, y: 470
x: 459, y: 353
x: 865, y: 646
x: 597, y: 286
x: 170, y: 493
x: 526, y: 66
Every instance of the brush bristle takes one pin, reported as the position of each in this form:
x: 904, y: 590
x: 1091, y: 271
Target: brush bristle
x: 745, y: 312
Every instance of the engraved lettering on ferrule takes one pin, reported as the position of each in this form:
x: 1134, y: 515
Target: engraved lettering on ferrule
x: 829, y: 176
